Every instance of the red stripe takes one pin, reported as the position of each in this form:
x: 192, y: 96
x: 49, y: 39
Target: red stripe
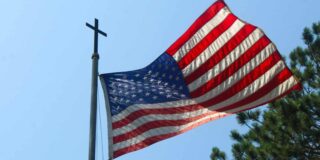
x: 234, y: 42
x: 156, y: 124
x: 229, y: 71
x: 207, y: 40
x: 149, y: 141
x: 144, y: 112
x: 245, y: 81
x: 249, y: 78
x: 296, y: 87
x: 202, y: 20
x: 152, y: 140
x: 277, y: 80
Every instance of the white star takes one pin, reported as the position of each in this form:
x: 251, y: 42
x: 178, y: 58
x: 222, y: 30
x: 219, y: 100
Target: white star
x: 137, y: 75
x: 164, y: 75
x: 140, y: 90
x: 149, y: 72
x: 147, y: 94
x: 171, y: 76
x: 140, y: 99
x: 168, y: 96
x: 154, y: 97
x: 133, y: 96
x: 180, y: 87
x: 127, y: 101
x: 173, y: 85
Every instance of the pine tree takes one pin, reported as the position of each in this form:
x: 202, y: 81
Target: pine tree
x: 290, y: 127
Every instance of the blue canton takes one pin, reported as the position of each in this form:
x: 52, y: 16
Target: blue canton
x: 161, y: 81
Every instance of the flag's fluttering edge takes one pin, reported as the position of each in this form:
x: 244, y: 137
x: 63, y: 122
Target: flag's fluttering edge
x: 221, y: 65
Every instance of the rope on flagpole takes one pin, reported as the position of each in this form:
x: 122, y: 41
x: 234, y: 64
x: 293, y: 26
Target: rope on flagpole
x: 100, y: 127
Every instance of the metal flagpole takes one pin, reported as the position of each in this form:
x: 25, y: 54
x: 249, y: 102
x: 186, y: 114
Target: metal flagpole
x: 94, y: 87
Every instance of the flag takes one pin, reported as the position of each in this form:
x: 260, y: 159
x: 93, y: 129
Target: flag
x: 220, y: 66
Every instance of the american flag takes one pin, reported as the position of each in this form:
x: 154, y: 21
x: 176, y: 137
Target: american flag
x: 220, y: 66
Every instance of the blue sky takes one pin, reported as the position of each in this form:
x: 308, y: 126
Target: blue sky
x: 45, y: 68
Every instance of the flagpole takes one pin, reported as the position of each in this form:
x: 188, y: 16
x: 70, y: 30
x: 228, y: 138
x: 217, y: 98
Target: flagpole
x: 94, y: 88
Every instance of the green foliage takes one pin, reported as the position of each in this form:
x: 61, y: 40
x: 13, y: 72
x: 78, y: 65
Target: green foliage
x: 216, y: 154
x: 290, y: 128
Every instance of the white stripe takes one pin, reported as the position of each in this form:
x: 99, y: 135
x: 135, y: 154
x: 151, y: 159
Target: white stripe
x: 151, y: 133
x: 227, y: 61
x: 250, y: 89
x: 243, y: 71
x: 265, y: 53
x: 137, y: 107
x: 279, y: 90
x: 201, y: 33
x: 213, y: 48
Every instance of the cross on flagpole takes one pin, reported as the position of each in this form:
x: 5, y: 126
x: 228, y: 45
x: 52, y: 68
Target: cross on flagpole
x: 96, y: 33
x: 94, y: 87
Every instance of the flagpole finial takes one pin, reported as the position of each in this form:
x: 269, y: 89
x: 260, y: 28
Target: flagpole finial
x: 97, y: 31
